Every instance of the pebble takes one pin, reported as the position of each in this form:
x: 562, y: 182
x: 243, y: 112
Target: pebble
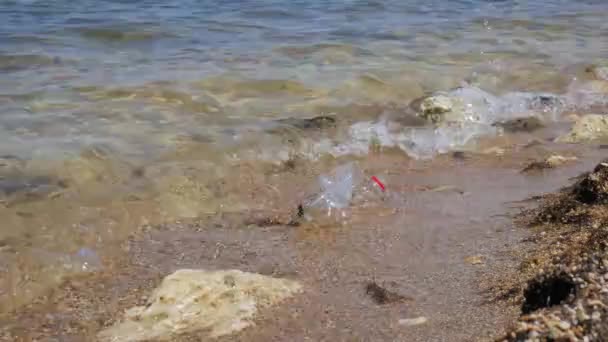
x: 564, y: 325
x: 413, y: 321
x: 474, y: 260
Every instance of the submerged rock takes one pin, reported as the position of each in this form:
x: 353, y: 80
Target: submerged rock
x: 439, y: 108
x: 599, y: 72
x: 316, y: 123
x: 471, y: 104
x: 549, y: 163
x: 521, y: 124
x: 221, y: 302
x: 587, y: 128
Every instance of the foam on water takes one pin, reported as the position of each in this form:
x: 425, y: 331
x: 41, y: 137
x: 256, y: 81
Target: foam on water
x: 481, y: 110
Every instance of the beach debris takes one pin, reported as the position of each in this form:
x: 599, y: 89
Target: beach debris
x: 446, y: 188
x: 339, y: 188
x: 220, y: 302
x: 382, y: 296
x: 409, y: 322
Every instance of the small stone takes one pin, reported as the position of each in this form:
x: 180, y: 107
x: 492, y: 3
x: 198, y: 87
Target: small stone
x: 564, y: 325
x: 554, y: 333
x: 581, y: 315
x: 498, y: 151
x: 474, y: 260
x: 557, y: 160
x: 413, y: 321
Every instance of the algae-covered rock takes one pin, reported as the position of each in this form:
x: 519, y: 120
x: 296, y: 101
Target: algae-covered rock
x: 587, y: 128
x: 472, y: 104
x: 220, y: 302
x: 439, y: 108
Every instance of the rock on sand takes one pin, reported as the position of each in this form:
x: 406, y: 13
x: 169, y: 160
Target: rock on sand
x: 220, y: 302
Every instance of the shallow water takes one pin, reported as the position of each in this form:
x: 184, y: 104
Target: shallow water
x: 121, y: 114
x: 136, y: 75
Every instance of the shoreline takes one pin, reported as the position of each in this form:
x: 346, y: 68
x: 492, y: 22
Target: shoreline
x: 404, y: 249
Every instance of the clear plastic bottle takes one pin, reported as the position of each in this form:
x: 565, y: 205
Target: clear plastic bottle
x: 340, y: 188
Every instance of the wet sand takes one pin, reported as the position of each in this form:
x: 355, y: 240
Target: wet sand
x: 418, y: 244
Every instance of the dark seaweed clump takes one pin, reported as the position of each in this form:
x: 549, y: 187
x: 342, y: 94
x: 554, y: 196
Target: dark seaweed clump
x: 565, y: 296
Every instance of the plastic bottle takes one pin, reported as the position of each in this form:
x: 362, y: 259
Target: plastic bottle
x: 340, y: 187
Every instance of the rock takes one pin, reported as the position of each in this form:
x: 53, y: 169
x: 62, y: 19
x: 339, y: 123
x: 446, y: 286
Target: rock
x: 382, y: 296
x: 474, y: 260
x: 436, y: 104
x: 588, y: 128
x: 316, y: 123
x: 543, y: 103
x: 497, y: 151
x: 599, y: 72
x: 221, y: 302
x: 471, y: 104
x: 557, y: 160
x: 439, y: 108
x: 520, y: 124
x: 549, y: 163
x: 413, y: 321
x: 564, y: 325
